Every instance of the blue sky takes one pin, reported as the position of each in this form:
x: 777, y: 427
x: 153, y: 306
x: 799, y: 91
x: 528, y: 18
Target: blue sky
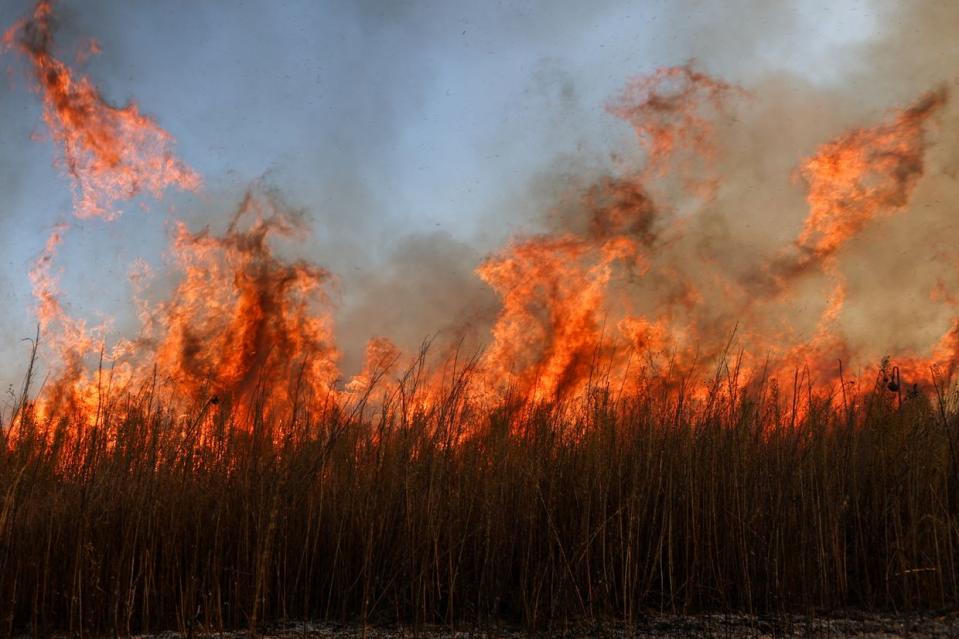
x: 393, y: 124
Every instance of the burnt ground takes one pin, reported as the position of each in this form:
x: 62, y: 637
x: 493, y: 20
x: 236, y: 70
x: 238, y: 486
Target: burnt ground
x: 852, y: 624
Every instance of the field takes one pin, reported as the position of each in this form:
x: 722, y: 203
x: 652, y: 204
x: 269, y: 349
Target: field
x: 751, y: 498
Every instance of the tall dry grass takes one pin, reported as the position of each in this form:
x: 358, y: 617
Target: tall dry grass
x: 756, y: 498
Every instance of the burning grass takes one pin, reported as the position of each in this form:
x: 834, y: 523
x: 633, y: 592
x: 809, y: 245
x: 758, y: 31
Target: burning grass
x: 218, y: 469
x: 748, y: 497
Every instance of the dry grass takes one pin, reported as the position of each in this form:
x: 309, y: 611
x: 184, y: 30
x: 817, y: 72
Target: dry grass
x: 756, y: 499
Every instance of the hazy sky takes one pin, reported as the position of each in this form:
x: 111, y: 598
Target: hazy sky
x: 393, y: 124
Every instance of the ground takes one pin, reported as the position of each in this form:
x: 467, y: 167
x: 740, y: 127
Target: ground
x: 851, y: 624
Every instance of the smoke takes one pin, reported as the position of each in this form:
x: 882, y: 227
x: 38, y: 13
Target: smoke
x: 425, y: 289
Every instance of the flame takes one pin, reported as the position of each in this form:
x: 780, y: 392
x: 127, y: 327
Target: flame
x: 382, y: 355
x: 626, y: 284
x: 563, y: 312
x: 70, y: 339
x: 549, y: 331
x: 862, y: 174
x: 241, y: 318
x: 111, y: 153
x: 851, y: 180
x: 671, y: 111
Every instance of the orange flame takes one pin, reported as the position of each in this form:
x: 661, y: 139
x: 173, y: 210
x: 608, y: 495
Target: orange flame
x: 241, y: 318
x: 618, y: 288
x: 549, y: 331
x: 70, y: 339
x: 111, y: 153
x: 862, y: 174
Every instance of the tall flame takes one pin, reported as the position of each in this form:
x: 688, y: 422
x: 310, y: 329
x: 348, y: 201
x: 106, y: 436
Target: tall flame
x: 240, y: 317
x: 111, y: 153
x: 626, y: 284
x: 864, y: 173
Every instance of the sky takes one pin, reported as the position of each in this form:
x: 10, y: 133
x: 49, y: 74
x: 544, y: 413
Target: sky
x: 413, y: 135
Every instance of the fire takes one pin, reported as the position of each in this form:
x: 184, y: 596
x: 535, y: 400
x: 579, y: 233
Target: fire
x: 624, y: 285
x: 859, y: 176
x: 549, y: 332
x: 565, y: 315
x: 241, y: 319
x: 862, y: 174
x: 382, y: 356
x: 71, y: 338
x: 672, y: 111
x: 111, y: 153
